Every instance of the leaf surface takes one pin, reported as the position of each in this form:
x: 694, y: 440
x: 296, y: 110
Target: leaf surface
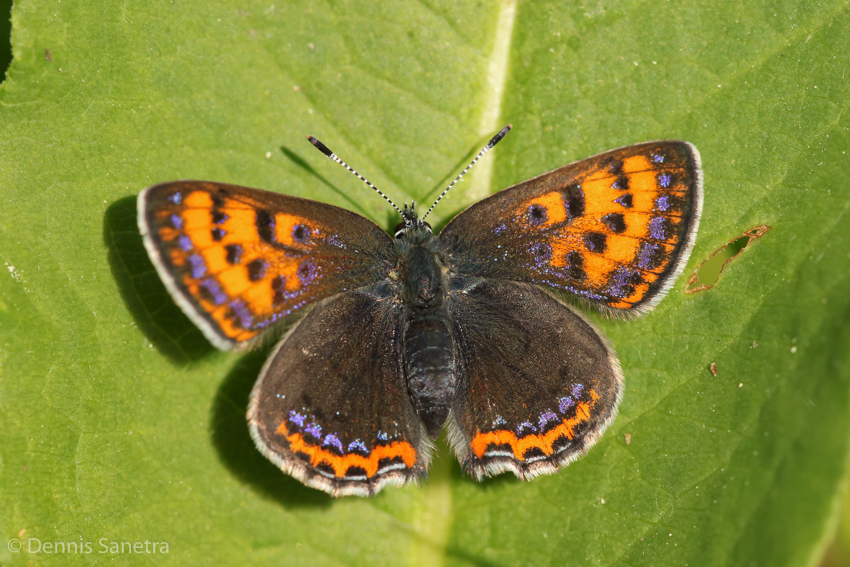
x: 118, y: 421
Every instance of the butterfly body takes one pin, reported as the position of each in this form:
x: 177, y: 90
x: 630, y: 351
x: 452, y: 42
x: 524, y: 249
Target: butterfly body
x: 427, y: 346
x: 401, y: 336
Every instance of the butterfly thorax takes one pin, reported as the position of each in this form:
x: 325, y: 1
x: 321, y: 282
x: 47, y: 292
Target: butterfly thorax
x: 421, y: 270
x: 429, y: 353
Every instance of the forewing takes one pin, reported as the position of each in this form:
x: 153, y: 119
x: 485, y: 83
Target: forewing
x: 615, y: 229
x: 237, y: 260
x: 331, y: 406
x: 538, y: 385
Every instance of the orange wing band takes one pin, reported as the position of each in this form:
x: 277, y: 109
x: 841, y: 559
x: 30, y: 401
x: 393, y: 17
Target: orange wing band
x: 341, y: 463
x: 542, y: 441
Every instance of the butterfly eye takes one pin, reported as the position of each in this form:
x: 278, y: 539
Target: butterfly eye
x: 401, y: 228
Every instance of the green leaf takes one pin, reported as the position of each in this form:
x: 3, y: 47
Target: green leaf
x: 120, y: 423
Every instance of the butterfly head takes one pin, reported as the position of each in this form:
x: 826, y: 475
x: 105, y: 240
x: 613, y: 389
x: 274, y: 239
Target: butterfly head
x: 411, y: 225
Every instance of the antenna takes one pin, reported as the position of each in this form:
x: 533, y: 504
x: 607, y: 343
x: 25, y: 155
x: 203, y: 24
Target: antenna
x: 493, y: 141
x: 325, y: 150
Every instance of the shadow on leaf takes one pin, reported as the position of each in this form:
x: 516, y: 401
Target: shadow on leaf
x: 156, y: 314
x: 236, y: 448
x: 436, y: 191
x: 354, y: 204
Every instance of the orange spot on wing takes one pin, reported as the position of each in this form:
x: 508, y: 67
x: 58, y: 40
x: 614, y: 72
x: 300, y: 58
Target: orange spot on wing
x: 621, y: 249
x: 542, y: 441
x: 215, y: 258
x: 341, y: 463
x: 636, y: 163
x: 643, y: 182
x: 235, y: 280
x: 240, y: 226
x: 599, y: 197
x: 178, y: 259
x: 198, y: 200
x: 259, y: 297
x: 643, y: 202
x: 167, y: 234
x: 597, y: 266
x: 197, y: 221
x: 637, y: 224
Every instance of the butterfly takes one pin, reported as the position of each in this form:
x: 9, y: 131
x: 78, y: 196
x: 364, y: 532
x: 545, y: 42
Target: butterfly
x: 400, y: 335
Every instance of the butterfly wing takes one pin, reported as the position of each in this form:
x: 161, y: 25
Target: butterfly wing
x: 331, y: 406
x: 615, y: 229
x: 538, y: 384
x: 237, y: 260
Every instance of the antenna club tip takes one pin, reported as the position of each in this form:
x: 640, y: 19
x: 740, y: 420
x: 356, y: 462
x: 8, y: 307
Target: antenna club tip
x: 320, y: 146
x: 498, y: 137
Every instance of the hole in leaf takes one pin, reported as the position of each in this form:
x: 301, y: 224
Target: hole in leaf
x: 707, y: 273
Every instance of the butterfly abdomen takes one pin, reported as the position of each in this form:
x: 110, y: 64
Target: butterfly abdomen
x: 429, y: 353
x: 430, y: 367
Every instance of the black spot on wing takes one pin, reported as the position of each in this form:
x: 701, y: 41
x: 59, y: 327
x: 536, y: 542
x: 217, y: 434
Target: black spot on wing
x: 624, y: 200
x: 621, y: 183
x: 537, y: 214
x: 265, y: 226
x: 575, y: 266
x: 355, y: 472
x: 325, y: 469
x: 279, y: 288
x: 561, y: 443
x: 300, y: 233
x: 257, y: 270
x: 574, y: 197
x: 596, y: 242
x: 533, y: 454
x: 391, y: 463
x: 234, y: 254
x: 615, y: 222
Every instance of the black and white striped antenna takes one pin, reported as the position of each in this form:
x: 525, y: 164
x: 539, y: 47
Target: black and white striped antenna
x: 493, y: 141
x: 325, y: 150
x: 409, y: 218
